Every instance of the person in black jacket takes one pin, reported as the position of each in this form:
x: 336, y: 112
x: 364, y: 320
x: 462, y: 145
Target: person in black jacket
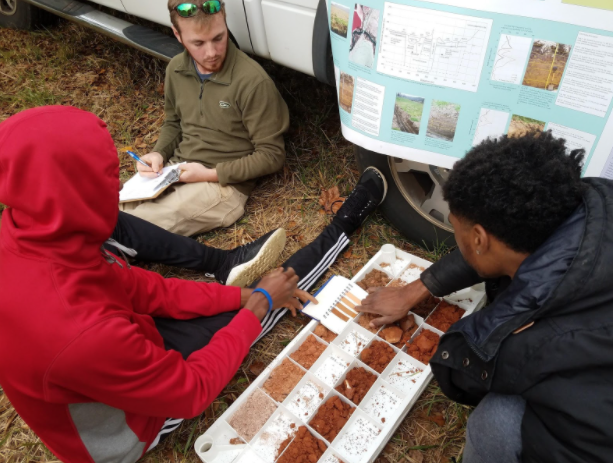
x: 538, y: 361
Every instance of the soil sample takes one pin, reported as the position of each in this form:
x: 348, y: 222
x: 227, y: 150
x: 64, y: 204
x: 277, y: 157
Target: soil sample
x: 282, y: 380
x: 378, y: 355
x: 305, y: 448
x: 356, y: 384
x: 308, y: 353
x: 365, y: 319
x: 331, y: 418
x: 324, y: 333
x: 374, y: 279
x: 397, y: 283
x: 445, y: 315
x: 423, y: 346
x: 251, y: 416
x: 400, y: 332
x: 424, y: 308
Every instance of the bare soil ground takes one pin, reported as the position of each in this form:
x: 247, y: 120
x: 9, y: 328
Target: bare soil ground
x: 73, y: 66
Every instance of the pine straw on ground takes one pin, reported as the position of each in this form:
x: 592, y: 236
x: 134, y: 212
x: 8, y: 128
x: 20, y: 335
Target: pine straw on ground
x: 70, y: 65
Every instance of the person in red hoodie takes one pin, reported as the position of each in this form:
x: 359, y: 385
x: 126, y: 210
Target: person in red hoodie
x: 82, y: 360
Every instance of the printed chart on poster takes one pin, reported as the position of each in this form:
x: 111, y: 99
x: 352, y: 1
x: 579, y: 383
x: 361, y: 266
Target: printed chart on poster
x: 427, y: 81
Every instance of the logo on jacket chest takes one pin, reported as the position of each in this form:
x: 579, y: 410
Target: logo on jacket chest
x: 224, y: 105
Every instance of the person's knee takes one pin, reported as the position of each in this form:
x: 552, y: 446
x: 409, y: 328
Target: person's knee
x: 493, y: 432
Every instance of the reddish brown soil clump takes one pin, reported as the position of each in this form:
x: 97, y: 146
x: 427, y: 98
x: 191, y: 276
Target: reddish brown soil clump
x: 391, y: 334
x: 374, y: 279
x: 378, y: 355
x: 424, y: 308
x: 423, y: 346
x: 236, y: 441
x: 282, y: 380
x: 407, y: 326
x: 324, y: 333
x: 445, y: 315
x: 331, y: 418
x: 305, y: 448
x: 356, y: 384
x: 365, y: 319
x: 308, y: 353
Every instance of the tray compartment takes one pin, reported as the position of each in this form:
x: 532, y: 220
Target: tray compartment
x: 332, y: 365
x: 305, y: 398
x: 406, y: 374
x: 360, y: 436
x: 353, y: 339
x: 383, y: 403
x: 279, y: 427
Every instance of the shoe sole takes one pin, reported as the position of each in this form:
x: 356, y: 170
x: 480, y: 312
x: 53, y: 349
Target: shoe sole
x: 382, y: 178
x: 245, y: 274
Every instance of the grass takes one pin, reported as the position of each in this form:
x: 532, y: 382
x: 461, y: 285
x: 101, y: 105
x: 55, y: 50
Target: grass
x: 73, y: 66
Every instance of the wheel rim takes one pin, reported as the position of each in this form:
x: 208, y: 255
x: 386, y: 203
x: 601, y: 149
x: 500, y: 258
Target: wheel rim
x: 8, y: 7
x: 421, y: 186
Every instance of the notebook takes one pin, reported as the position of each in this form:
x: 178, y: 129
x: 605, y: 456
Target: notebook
x: 141, y: 188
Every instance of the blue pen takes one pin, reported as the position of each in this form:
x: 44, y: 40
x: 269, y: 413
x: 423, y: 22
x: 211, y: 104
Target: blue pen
x: 137, y: 158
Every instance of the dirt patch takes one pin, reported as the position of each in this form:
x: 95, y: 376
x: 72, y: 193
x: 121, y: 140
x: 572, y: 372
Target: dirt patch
x: 282, y: 380
x: 424, y: 308
x: 324, y: 333
x: 305, y: 448
x: 423, y: 346
x: 391, y: 334
x: 374, y: 279
x: 397, y: 283
x: 356, y: 385
x: 378, y: 355
x: 251, y: 416
x: 365, y: 319
x: 445, y: 315
x: 331, y: 418
x: 308, y: 353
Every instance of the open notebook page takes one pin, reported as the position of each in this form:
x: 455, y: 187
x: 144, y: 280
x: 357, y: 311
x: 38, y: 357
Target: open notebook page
x: 144, y: 188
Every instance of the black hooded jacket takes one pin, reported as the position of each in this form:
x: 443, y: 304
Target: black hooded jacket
x: 561, y: 363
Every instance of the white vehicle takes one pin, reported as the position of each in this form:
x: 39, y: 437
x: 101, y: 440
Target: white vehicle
x: 293, y: 33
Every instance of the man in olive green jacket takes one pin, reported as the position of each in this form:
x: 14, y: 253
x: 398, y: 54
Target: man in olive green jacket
x: 224, y: 118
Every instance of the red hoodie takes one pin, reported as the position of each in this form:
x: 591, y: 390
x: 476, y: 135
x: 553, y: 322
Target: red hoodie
x: 80, y: 357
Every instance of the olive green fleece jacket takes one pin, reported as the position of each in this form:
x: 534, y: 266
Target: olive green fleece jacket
x: 234, y: 121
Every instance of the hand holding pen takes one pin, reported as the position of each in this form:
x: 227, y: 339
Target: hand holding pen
x: 150, y: 165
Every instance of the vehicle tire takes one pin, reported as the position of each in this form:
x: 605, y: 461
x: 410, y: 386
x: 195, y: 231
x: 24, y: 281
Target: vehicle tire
x: 411, y: 189
x: 20, y: 15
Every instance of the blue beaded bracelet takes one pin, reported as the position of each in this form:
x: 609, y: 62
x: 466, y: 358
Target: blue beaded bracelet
x: 265, y: 293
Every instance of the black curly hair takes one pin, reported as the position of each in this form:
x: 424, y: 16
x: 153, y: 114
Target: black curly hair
x: 518, y: 189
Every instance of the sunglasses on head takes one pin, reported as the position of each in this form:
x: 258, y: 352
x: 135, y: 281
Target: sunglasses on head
x: 187, y: 10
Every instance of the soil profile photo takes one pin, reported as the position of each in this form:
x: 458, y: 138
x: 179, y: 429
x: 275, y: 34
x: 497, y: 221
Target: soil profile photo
x: 546, y: 65
x: 345, y: 92
x: 364, y: 32
x: 521, y: 125
x: 443, y: 120
x: 408, y: 110
x: 339, y: 19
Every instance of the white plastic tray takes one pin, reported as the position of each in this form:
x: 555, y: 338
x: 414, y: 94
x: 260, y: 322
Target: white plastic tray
x: 398, y: 387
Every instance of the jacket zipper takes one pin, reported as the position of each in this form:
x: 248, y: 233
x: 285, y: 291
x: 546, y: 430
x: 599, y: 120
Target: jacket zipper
x: 200, y: 97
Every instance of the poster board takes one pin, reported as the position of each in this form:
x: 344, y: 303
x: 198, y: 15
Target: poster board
x: 426, y: 81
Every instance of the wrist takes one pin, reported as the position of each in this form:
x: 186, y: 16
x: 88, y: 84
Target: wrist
x: 245, y: 295
x: 258, y: 304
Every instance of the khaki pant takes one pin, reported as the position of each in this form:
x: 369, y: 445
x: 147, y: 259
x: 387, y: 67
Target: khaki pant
x: 191, y: 208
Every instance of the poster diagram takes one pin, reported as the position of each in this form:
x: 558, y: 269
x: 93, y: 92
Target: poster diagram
x: 521, y: 125
x: 511, y: 57
x: 491, y: 124
x: 546, y: 65
x: 339, y: 15
x: 407, y: 113
x: 364, y: 35
x: 433, y: 46
x: 443, y: 120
